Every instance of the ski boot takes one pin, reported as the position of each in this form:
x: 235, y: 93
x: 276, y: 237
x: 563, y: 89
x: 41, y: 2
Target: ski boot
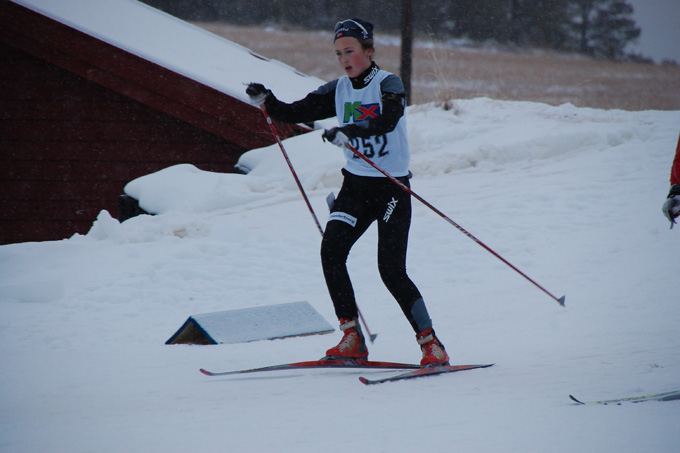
x: 352, y: 345
x: 433, y: 351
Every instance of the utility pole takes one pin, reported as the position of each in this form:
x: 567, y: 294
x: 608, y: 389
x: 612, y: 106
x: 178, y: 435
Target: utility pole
x: 406, y: 67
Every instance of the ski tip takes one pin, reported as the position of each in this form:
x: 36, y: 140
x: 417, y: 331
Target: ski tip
x: 575, y: 400
x: 363, y: 380
x: 206, y: 372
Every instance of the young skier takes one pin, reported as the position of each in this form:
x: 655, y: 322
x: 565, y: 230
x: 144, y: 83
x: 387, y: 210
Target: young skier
x: 369, y: 104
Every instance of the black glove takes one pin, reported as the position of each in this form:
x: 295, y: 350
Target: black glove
x: 339, y: 136
x: 671, y: 208
x: 258, y: 93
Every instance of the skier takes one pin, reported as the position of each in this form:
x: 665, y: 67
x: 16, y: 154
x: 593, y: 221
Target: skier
x: 671, y: 207
x: 369, y: 104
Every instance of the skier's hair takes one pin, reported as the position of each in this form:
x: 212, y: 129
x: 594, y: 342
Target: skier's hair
x: 367, y: 44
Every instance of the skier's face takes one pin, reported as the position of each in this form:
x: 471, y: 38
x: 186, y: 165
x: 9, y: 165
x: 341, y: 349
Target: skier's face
x: 352, y: 57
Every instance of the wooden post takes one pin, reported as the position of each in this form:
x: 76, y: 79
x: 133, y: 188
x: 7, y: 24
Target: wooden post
x: 406, y: 67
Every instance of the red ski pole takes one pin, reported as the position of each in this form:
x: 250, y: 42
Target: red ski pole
x: 290, y: 165
x: 460, y: 228
x: 304, y: 195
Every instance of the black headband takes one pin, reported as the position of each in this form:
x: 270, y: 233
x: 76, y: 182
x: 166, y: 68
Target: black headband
x: 356, y: 28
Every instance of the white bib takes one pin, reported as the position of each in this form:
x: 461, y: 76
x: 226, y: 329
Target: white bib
x: 390, y: 151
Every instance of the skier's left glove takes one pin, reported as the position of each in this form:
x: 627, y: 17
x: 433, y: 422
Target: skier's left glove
x: 339, y: 136
x: 258, y: 93
x: 671, y: 208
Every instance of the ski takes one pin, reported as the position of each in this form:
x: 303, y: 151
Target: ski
x: 666, y: 396
x: 424, y: 371
x: 322, y: 363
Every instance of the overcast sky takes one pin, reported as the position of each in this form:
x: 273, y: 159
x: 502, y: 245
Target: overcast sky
x: 660, y: 24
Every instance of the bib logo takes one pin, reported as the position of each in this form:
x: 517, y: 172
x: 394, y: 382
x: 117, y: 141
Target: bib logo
x: 360, y: 112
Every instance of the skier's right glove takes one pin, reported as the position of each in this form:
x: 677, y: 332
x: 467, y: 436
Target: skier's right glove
x: 671, y: 208
x: 337, y: 136
x: 257, y: 93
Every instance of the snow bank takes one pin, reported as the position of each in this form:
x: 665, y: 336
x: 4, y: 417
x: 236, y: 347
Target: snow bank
x: 570, y: 196
x: 479, y: 133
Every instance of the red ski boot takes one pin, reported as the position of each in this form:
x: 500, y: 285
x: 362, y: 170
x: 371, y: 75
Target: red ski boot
x: 433, y: 351
x: 352, y: 345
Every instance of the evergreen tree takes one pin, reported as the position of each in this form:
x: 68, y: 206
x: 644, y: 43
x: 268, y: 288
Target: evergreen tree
x: 602, y: 27
x: 545, y: 23
x: 480, y: 20
x: 613, y: 29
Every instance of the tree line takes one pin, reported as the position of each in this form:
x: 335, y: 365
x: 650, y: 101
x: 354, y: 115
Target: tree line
x: 599, y: 28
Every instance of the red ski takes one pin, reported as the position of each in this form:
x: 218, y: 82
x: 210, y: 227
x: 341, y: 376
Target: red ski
x: 322, y: 363
x: 424, y: 371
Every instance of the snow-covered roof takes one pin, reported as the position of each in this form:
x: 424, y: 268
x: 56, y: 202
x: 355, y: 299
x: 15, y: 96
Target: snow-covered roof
x: 177, y: 45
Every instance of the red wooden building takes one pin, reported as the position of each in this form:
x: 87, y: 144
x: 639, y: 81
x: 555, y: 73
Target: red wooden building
x: 80, y: 118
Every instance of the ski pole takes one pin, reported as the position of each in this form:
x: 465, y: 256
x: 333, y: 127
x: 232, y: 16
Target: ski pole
x: 304, y: 195
x: 290, y: 165
x: 368, y: 331
x: 460, y: 228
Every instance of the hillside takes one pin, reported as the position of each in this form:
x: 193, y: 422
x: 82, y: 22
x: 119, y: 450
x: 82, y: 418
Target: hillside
x: 465, y: 72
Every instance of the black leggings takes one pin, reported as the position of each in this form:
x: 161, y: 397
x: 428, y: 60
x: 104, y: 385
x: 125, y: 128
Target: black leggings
x: 361, y: 201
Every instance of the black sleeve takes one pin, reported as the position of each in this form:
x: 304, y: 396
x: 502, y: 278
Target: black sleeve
x: 317, y: 105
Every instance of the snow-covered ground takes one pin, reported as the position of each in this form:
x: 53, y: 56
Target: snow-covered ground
x: 570, y: 196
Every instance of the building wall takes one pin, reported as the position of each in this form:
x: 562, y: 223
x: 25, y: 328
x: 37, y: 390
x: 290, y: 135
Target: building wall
x: 68, y: 146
